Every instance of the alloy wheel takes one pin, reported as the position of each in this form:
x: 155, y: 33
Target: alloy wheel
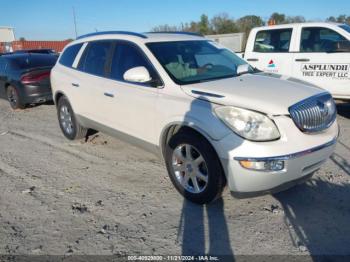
x: 66, y: 119
x: 190, y: 168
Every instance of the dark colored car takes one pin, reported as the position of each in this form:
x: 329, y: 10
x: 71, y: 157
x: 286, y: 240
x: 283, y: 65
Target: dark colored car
x: 36, y: 51
x: 25, y: 78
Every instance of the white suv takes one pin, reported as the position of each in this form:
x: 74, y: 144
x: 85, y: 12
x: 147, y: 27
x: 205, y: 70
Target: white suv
x: 214, y: 119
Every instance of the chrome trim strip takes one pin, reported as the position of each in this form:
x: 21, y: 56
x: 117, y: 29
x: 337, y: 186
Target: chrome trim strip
x: 206, y: 94
x: 290, y: 156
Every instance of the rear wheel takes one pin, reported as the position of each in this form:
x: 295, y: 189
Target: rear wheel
x: 68, y: 122
x: 194, y: 167
x: 14, y: 98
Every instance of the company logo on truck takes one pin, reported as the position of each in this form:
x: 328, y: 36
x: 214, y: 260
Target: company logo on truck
x: 335, y: 71
x: 271, y: 64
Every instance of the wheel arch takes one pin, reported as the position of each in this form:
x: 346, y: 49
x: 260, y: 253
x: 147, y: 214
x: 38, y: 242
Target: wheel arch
x: 57, y: 96
x: 175, y: 127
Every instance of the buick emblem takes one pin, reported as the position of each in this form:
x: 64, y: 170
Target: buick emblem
x: 323, y: 107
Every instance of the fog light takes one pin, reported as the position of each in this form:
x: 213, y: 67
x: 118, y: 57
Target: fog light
x: 272, y: 165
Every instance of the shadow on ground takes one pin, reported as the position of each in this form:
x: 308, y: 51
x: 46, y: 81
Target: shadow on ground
x: 192, y: 229
x: 318, y: 213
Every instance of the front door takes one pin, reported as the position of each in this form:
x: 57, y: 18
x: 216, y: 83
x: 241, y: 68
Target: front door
x: 319, y: 63
x: 131, y: 106
x: 270, y: 52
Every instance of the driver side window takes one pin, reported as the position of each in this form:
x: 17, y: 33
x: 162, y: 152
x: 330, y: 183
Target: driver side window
x: 319, y: 40
x: 127, y: 56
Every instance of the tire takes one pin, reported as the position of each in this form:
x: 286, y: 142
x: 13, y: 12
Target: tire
x: 205, y: 179
x: 14, y: 98
x: 68, y: 123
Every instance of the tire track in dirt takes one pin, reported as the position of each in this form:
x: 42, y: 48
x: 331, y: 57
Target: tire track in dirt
x: 48, y: 142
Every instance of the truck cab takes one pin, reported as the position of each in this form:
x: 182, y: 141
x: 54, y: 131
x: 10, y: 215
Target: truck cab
x: 318, y: 53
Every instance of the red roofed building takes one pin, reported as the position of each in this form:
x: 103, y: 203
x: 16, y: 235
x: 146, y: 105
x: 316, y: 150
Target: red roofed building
x: 55, y: 45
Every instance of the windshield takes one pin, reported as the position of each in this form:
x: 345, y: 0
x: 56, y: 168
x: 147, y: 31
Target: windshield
x: 189, y: 62
x: 345, y: 27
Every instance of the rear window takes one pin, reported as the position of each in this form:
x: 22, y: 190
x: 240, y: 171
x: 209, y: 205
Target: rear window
x: 68, y: 56
x: 33, y: 61
x: 345, y: 27
x: 95, y: 56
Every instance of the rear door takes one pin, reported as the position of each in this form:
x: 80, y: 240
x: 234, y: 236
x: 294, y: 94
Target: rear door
x: 269, y: 50
x: 90, y: 81
x: 317, y: 60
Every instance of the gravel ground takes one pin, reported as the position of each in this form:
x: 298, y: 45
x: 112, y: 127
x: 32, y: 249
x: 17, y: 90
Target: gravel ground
x: 103, y: 197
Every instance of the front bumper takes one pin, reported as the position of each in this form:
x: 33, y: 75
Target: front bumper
x: 302, y: 154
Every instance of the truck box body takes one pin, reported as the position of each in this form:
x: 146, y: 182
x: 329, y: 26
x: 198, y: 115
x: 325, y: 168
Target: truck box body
x: 234, y: 42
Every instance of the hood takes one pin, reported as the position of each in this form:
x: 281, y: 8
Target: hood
x: 270, y: 94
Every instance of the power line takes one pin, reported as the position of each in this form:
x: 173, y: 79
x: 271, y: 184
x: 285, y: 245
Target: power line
x: 75, y: 23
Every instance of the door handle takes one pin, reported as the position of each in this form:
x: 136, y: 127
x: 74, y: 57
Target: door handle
x: 109, y: 94
x: 252, y: 59
x: 75, y: 84
x: 302, y: 60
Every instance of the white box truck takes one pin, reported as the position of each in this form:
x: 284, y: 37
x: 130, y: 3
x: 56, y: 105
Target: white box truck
x: 234, y: 42
x: 318, y: 53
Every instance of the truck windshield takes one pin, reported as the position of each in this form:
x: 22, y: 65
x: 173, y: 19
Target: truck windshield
x: 189, y: 62
x: 345, y: 27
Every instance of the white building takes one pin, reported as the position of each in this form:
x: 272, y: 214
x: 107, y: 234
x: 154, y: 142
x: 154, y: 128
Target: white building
x: 7, y: 36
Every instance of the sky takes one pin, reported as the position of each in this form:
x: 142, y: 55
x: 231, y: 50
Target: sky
x: 53, y: 20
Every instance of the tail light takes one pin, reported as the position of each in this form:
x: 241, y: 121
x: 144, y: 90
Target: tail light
x: 31, y: 78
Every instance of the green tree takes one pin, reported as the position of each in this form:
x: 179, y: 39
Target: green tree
x: 278, y: 18
x: 247, y: 23
x: 204, y: 25
x: 295, y: 19
x: 223, y: 24
x: 331, y: 19
x: 165, y: 28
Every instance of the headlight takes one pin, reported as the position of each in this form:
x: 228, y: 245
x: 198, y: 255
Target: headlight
x: 248, y: 124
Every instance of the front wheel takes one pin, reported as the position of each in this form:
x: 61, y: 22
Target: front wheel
x: 68, y: 122
x: 194, y: 167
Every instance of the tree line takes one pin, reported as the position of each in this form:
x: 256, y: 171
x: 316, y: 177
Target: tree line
x: 223, y: 23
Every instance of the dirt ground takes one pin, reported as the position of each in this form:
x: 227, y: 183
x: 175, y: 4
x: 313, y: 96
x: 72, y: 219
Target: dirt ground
x: 104, y: 197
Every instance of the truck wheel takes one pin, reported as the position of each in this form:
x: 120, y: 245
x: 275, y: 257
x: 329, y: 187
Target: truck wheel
x: 194, y: 167
x: 14, y: 98
x: 68, y: 122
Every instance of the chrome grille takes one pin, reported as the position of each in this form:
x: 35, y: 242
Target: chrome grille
x: 314, y: 114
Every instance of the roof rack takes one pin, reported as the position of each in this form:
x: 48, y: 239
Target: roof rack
x: 113, y: 33
x: 176, y: 32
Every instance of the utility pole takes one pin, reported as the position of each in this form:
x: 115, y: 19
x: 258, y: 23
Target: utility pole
x: 75, y: 23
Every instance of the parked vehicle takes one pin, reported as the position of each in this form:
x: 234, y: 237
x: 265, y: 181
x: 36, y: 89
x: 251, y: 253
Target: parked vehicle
x: 212, y: 117
x: 36, y: 51
x: 25, y: 78
x: 318, y: 53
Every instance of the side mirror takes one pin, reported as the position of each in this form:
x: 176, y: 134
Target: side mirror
x: 243, y: 69
x: 343, y: 46
x: 138, y: 74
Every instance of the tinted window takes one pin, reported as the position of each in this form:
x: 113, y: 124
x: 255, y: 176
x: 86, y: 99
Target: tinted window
x: 273, y: 41
x: 68, y: 56
x: 127, y: 56
x: 345, y: 27
x: 22, y: 62
x: 317, y: 39
x: 94, y: 59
